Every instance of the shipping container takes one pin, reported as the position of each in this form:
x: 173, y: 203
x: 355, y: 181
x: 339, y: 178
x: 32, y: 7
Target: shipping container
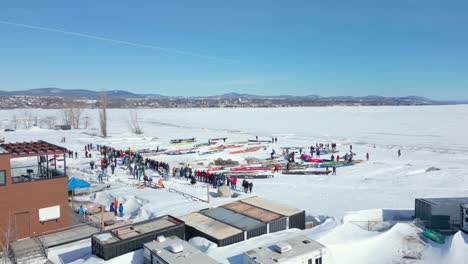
x: 198, y: 225
x: 250, y: 226
x: 274, y: 222
x: 441, y: 214
x: 173, y: 250
x: 300, y: 249
x: 464, y: 215
x: 295, y: 217
x: 122, y: 240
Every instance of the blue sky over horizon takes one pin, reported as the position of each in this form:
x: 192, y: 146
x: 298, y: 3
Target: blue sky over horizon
x: 323, y: 47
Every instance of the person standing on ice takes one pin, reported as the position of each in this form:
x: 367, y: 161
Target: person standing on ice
x: 277, y: 167
x: 334, y: 170
x: 399, y: 153
x: 367, y: 155
x: 91, y: 164
x: 351, y: 148
x: 273, y: 152
x: 112, y: 168
x: 332, y: 158
x: 250, y: 184
x: 121, y: 209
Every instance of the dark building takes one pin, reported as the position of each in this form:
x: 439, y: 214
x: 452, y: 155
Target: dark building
x: 441, y: 214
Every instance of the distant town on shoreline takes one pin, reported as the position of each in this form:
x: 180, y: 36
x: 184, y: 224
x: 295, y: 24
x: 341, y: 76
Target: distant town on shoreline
x: 55, y: 98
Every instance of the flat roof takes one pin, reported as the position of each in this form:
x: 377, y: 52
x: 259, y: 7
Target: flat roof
x: 129, y: 231
x: 446, y: 201
x: 190, y: 254
x: 271, y: 206
x: 252, y: 211
x: 210, y: 226
x: 3, y: 151
x: 232, y: 218
x: 30, y: 149
x: 300, y: 245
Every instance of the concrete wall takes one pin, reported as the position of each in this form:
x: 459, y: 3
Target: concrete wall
x: 20, y: 204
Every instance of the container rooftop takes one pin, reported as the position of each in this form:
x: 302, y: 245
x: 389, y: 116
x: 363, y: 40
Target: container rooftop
x: 163, y: 250
x: 299, y: 246
x: 252, y: 211
x: 210, y: 226
x: 232, y: 218
x: 271, y: 206
x: 446, y: 201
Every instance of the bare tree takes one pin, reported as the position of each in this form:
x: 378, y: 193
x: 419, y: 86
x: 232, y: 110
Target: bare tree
x: 86, y: 122
x: 49, y: 122
x: 28, y: 118
x: 14, y: 121
x: 134, y: 122
x: 103, y: 114
x: 71, y: 114
x: 5, y: 240
x: 66, y: 117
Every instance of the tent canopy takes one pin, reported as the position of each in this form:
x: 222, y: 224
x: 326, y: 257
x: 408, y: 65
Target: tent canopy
x: 75, y: 183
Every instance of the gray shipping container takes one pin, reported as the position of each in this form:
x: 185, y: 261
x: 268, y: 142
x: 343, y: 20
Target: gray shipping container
x: 250, y: 226
x: 122, y: 240
x: 295, y: 217
x: 441, y: 214
x: 274, y: 222
x: 199, y: 225
x: 464, y: 216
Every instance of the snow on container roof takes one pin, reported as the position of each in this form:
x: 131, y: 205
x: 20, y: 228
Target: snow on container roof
x: 3, y: 151
x: 232, y: 218
x: 271, y: 206
x: 446, y: 201
x: 269, y: 254
x: 186, y: 253
x: 209, y: 226
x: 252, y: 211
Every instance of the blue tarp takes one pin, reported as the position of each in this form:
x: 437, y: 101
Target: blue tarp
x: 74, y: 183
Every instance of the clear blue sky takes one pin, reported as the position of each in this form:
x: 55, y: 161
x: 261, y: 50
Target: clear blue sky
x: 324, y: 47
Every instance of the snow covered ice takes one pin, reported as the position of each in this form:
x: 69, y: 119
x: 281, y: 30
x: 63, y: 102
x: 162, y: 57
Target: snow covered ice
x: 382, y: 189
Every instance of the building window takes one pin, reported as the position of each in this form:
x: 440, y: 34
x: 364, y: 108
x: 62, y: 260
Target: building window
x: 318, y: 260
x: 2, y: 178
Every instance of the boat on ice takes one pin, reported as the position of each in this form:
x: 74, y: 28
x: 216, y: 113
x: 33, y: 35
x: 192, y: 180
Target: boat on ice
x: 306, y: 172
x: 247, y: 150
x: 249, y: 169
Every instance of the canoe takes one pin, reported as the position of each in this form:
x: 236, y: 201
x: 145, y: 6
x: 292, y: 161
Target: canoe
x: 217, y: 139
x: 211, y: 152
x: 246, y: 169
x: 181, y: 153
x: 262, y: 141
x: 248, y: 150
x: 434, y: 236
x: 181, y: 143
x: 306, y: 172
x: 226, y: 147
x: 181, y: 140
x: 337, y: 164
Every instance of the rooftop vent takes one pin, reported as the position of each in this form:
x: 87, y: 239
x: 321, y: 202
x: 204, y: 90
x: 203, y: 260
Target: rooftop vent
x: 282, y: 247
x: 160, y: 239
x: 176, y: 248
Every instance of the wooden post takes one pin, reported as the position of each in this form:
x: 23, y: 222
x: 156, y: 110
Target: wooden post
x: 208, y: 192
x: 102, y: 217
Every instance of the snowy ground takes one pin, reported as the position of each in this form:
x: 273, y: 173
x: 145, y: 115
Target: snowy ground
x: 381, y: 189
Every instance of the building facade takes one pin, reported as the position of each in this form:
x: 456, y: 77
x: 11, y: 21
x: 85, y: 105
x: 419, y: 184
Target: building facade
x: 34, y: 199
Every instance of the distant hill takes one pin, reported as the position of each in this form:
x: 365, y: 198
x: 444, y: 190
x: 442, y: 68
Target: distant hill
x: 75, y: 93
x: 57, y: 97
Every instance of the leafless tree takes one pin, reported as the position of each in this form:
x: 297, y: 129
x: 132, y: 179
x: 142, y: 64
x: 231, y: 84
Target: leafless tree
x: 71, y: 114
x: 103, y: 114
x: 134, y: 122
x: 14, y: 121
x: 49, y: 122
x: 28, y: 118
x: 86, y: 122
x: 6, y: 239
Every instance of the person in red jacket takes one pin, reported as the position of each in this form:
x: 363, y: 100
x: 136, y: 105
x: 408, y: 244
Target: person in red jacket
x: 277, y: 168
x: 234, y: 183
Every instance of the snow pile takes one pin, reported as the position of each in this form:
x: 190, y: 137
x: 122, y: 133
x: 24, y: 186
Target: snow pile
x: 104, y: 198
x: 202, y: 244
